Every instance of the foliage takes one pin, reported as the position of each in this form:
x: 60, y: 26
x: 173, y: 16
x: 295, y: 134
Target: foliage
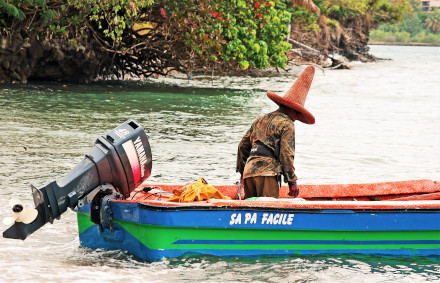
x: 380, y: 10
x: 250, y: 33
x: 111, y: 16
x: 331, y: 23
x: 344, y: 9
x: 11, y: 10
x: 433, y: 21
x: 404, y: 37
x: 246, y: 33
x: 417, y: 27
x: 302, y: 15
x: 335, y: 13
x: 309, y: 5
x: 390, y: 11
x: 32, y: 16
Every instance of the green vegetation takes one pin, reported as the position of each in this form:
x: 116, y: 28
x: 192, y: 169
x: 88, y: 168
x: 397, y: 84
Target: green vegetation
x: 416, y: 27
x: 249, y: 33
x: 240, y: 33
x: 342, y: 27
x: 146, y: 37
x: 334, y: 12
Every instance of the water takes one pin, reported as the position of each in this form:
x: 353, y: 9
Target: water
x: 376, y: 122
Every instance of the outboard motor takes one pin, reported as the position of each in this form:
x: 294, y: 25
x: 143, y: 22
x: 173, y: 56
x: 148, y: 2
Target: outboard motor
x: 122, y: 158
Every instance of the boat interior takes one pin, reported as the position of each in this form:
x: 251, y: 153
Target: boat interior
x: 386, y: 195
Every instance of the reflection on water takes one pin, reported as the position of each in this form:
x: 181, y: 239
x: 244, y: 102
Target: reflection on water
x: 377, y: 122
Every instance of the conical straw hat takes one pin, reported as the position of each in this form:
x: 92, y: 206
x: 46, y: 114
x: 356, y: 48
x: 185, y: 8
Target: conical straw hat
x: 295, y: 97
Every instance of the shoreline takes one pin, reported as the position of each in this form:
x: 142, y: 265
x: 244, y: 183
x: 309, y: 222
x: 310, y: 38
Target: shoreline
x: 404, y: 44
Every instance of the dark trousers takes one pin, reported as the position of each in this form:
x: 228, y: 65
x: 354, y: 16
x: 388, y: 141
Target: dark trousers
x: 261, y: 186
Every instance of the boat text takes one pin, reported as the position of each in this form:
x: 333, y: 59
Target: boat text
x: 141, y: 154
x: 266, y: 218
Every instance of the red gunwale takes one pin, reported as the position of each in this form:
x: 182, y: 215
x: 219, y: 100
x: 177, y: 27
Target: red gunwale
x: 414, y: 194
x: 337, y: 190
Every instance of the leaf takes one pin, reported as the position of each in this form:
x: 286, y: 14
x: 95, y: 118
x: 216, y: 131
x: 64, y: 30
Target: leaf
x: 13, y: 11
x: 49, y: 15
x: 308, y: 4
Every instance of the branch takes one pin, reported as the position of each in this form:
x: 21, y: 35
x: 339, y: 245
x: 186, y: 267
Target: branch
x: 299, y: 44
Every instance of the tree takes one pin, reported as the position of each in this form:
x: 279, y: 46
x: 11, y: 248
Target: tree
x: 433, y: 21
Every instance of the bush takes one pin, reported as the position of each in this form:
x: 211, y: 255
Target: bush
x: 425, y: 37
x: 402, y: 36
x: 246, y: 32
x: 344, y: 9
x: 381, y: 36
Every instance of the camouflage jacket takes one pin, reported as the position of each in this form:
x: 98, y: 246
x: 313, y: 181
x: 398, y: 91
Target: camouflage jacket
x: 276, y: 132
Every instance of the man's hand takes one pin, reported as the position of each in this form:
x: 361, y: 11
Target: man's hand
x: 293, y: 190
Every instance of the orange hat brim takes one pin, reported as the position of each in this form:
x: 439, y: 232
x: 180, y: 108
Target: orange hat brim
x: 306, y: 116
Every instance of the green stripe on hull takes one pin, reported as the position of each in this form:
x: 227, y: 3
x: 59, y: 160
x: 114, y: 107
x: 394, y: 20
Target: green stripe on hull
x: 83, y: 221
x: 163, y: 237
x: 305, y: 247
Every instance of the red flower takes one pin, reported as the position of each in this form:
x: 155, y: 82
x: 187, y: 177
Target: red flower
x: 220, y: 19
x: 162, y: 12
x: 260, y: 15
x: 215, y: 14
x: 257, y: 5
x: 25, y: 6
x: 268, y: 4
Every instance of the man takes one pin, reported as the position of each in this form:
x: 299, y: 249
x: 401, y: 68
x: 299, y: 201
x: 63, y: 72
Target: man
x: 267, y: 149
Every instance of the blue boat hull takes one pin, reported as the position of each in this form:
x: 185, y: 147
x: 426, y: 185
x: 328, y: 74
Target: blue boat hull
x: 152, y: 233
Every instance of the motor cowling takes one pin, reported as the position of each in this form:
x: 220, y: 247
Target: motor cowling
x: 128, y: 155
x: 121, y: 158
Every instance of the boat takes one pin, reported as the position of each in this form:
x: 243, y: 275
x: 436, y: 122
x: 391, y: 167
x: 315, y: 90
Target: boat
x: 118, y: 209
x: 390, y: 218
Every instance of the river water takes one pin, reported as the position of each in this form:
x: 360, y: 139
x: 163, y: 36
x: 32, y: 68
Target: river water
x: 377, y: 122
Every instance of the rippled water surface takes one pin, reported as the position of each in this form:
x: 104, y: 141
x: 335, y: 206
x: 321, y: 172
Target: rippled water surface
x: 376, y: 122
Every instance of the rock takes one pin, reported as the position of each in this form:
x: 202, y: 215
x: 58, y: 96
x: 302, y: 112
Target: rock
x: 81, y: 48
x: 26, y: 71
x: 49, y: 59
x: 58, y: 55
x: 46, y: 45
x: 15, y: 76
x: 6, y: 64
x: 36, y: 51
x: 4, y: 43
x: 17, y: 60
x: 22, y: 51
